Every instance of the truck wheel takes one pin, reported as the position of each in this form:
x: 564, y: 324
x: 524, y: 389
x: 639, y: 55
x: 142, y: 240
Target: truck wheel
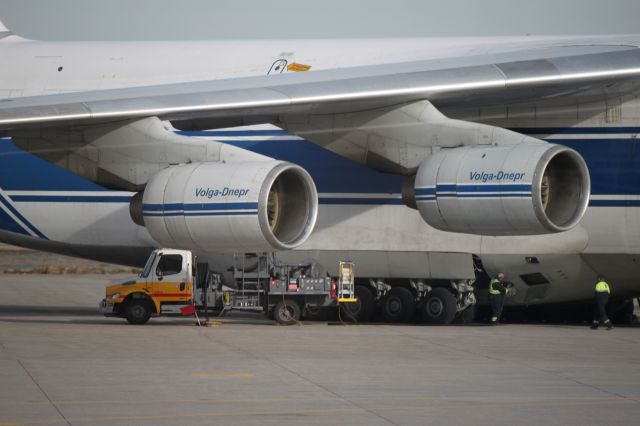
x: 313, y: 313
x: 286, y: 312
x: 138, y: 311
x: 439, y: 307
x: 362, y: 310
x: 398, y: 305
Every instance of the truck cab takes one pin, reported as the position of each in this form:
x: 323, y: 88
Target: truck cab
x: 166, y: 280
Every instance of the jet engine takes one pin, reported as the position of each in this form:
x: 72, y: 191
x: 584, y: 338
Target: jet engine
x: 523, y: 189
x: 226, y: 207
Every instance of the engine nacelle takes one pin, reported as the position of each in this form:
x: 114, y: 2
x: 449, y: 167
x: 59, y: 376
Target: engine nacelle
x: 524, y: 189
x: 226, y: 207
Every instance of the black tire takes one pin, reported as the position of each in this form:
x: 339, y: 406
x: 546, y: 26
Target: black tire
x: 314, y: 313
x: 362, y: 310
x: 345, y: 313
x: 286, y: 312
x: 468, y: 315
x: 439, y: 307
x: 138, y: 311
x: 398, y: 305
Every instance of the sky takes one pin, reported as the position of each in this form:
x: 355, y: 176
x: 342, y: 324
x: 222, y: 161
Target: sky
x: 257, y: 19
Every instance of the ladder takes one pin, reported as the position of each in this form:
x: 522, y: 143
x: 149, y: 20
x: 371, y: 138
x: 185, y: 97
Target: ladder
x: 251, y: 275
x: 346, y: 283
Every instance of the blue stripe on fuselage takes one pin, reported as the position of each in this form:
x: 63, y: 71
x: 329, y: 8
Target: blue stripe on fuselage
x: 331, y: 172
x: 8, y: 223
x: 20, y: 217
x: 614, y: 165
x: 22, y: 171
x: 71, y: 198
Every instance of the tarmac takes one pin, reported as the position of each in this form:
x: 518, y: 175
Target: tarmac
x: 62, y: 363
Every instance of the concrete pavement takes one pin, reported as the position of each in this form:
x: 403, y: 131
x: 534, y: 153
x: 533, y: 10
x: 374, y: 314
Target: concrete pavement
x: 62, y: 363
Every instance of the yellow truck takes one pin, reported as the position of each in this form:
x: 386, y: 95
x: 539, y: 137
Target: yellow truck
x: 172, y: 281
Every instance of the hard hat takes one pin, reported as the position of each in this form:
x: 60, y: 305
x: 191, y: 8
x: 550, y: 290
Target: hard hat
x: 500, y: 275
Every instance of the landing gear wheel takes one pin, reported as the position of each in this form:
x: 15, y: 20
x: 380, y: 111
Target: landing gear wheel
x: 286, y: 312
x: 362, y: 310
x: 440, y: 307
x: 624, y: 313
x: 468, y: 315
x: 398, y: 305
x: 138, y: 311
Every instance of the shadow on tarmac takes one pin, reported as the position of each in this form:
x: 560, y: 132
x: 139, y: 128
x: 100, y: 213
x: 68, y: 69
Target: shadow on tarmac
x: 39, y: 310
x: 39, y: 314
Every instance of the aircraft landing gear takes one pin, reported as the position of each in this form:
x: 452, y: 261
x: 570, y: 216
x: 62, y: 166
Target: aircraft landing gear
x: 440, y: 302
x: 439, y: 306
x: 622, y: 311
x: 467, y: 316
x: 363, y: 309
x: 398, y: 305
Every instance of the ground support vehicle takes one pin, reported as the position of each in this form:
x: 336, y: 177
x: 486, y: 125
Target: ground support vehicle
x: 173, y: 282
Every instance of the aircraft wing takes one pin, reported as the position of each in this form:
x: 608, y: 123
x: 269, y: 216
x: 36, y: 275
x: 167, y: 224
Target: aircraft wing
x: 540, y: 74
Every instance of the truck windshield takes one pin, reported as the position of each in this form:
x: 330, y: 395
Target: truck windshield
x: 147, y: 267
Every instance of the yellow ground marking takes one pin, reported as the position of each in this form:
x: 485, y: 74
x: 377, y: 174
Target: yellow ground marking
x: 222, y: 374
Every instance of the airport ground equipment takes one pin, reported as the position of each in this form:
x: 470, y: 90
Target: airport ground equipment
x: 174, y: 279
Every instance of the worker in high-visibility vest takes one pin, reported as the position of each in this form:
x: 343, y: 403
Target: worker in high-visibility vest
x: 497, y: 292
x: 601, y: 298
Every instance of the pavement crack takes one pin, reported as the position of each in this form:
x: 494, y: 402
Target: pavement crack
x: 43, y: 392
x: 576, y: 381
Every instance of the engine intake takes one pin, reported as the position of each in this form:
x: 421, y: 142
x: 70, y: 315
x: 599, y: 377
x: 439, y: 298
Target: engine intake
x: 524, y: 189
x: 229, y: 207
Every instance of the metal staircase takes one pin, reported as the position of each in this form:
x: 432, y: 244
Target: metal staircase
x: 251, y: 275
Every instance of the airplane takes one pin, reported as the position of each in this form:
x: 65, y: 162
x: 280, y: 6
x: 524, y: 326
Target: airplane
x: 428, y: 162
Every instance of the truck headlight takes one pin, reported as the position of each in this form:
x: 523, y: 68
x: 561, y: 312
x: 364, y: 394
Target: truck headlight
x: 114, y: 296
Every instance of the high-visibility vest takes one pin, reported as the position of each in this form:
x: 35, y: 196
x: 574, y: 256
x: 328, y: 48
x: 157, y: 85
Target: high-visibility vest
x: 602, y: 287
x: 492, y: 289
